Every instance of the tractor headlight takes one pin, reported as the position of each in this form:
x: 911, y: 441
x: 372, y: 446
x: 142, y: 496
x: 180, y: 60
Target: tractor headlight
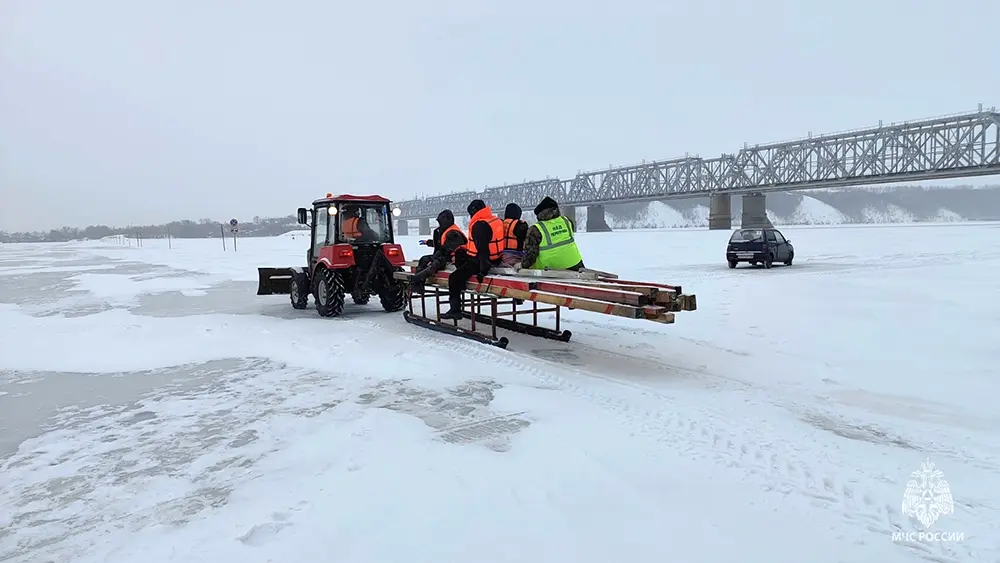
x: 331, y: 210
x: 396, y: 212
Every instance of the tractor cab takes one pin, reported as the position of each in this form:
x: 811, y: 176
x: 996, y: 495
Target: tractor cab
x: 352, y: 250
x: 363, y: 222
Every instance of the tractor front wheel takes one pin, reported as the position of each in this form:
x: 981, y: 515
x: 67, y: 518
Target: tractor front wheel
x: 329, y: 293
x: 299, y: 291
x: 360, y: 298
x: 393, y: 297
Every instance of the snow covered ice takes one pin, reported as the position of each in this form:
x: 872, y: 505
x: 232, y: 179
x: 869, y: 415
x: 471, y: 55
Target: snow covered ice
x: 153, y: 409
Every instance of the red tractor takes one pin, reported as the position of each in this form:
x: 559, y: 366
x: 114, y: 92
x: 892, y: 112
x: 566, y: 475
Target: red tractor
x: 351, y: 251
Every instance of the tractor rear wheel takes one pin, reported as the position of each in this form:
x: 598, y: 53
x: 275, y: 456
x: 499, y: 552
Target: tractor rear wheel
x: 299, y: 291
x: 393, y: 297
x: 329, y: 293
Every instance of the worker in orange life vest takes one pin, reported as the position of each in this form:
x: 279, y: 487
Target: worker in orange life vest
x: 445, y: 240
x: 353, y: 226
x: 514, y: 230
x: 483, y: 250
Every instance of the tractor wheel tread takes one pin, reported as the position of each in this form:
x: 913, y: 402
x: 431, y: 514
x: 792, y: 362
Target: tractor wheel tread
x: 393, y: 298
x: 330, y: 282
x: 299, y: 294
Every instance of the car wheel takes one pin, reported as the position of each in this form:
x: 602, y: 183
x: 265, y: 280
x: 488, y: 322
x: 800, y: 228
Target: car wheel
x: 732, y: 264
x: 768, y: 262
x: 790, y: 258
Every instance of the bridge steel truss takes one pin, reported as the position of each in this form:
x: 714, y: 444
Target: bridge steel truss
x: 955, y: 146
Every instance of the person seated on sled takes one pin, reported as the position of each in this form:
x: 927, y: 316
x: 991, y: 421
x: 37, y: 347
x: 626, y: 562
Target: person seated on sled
x: 354, y: 227
x: 483, y: 250
x: 514, y: 231
x: 445, y: 240
x: 550, y: 242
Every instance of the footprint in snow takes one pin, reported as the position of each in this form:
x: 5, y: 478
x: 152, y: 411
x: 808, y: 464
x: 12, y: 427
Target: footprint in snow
x: 263, y: 533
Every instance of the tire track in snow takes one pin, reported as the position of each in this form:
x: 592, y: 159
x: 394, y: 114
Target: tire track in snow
x: 776, y: 469
x: 779, y: 395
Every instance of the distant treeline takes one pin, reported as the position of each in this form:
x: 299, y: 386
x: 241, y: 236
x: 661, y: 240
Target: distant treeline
x: 203, y: 228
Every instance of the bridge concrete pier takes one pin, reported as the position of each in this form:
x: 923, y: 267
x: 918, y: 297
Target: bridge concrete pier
x: 595, y: 220
x: 755, y: 212
x: 402, y: 227
x: 720, y: 212
x: 570, y: 213
x: 425, y: 226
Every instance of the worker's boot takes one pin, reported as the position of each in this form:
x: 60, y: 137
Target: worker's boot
x: 455, y: 308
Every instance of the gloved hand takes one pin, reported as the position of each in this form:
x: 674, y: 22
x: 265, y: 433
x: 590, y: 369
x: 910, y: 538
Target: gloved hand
x: 480, y: 277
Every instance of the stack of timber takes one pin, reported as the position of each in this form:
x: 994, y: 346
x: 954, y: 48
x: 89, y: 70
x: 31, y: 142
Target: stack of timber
x: 587, y: 290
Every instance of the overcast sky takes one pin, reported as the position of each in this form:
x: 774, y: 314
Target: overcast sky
x: 141, y: 111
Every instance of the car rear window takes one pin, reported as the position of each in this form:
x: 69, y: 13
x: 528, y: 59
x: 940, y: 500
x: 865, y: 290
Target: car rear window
x: 747, y: 235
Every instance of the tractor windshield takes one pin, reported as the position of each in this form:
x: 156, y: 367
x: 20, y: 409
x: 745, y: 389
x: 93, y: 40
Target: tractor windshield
x: 359, y: 223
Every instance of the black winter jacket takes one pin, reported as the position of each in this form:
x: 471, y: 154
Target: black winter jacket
x: 452, y: 242
x: 482, y: 235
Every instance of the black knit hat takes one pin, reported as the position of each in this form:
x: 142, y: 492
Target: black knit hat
x: 475, y: 206
x: 546, y: 203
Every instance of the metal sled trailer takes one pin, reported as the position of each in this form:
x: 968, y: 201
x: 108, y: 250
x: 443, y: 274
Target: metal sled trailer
x: 513, y: 300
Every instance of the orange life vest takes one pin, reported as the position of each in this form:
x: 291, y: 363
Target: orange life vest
x: 508, y: 232
x: 350, y: 227
x: 497, y: 242
x: 444, y: 234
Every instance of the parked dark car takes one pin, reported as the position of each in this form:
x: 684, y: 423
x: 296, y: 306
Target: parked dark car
x: 759, y: 246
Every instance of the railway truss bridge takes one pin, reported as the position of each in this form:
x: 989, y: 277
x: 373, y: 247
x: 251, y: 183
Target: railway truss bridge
x: 954, y: 146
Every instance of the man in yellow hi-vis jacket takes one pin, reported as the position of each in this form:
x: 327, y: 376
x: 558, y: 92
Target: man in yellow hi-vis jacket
x: 550, y: 242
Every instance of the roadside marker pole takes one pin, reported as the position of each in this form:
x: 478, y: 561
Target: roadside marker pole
x: 234, y: 228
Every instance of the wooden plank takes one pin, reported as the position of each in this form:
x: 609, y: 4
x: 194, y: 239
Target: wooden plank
x: 533, y: 273
x: 599, y: 273
x: 441, y: 278
x: 647, y: 290
x: 653, y: 311
x: 617, y: 295
x: 687, y: 302
x: 626, y: 282
x: 551, y: 274
x: 601, y: 293
x: 583, y: 304
x: 657, y: 294
x: 665, y: 318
